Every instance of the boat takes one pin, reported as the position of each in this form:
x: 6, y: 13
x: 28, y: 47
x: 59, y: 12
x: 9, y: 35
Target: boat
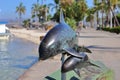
x: 4, y: 32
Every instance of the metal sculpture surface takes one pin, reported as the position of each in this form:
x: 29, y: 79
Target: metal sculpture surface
x: 75, y: 63
x: 62, y: 39
x: 59, y: 39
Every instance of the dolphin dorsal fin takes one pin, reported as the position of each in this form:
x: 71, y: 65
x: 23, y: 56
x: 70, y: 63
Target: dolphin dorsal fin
x: 61, y: 17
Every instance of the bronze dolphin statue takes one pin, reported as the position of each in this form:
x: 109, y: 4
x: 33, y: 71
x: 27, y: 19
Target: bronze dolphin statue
x: 60, y: 39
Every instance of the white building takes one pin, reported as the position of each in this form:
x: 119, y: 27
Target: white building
x: 3, y: 28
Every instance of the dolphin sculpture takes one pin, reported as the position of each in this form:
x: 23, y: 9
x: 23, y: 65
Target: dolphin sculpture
x: 75, y: 63
x: 60, y: 39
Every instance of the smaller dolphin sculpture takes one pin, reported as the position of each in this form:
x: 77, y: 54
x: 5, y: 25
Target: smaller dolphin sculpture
x: 75, y: 63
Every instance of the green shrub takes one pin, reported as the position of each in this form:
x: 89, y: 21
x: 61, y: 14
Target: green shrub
x: 114, y: 29
x: 106, y: 29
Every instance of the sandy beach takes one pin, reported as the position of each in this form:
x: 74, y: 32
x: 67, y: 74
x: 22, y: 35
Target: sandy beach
x: 31, y: 35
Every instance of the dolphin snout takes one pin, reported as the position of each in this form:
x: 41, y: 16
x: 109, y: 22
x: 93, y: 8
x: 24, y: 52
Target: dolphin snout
x: 70, y: 64
x: 43, y: 52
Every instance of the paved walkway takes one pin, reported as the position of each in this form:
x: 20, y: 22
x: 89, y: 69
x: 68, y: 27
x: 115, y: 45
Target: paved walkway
x: 104, y: 45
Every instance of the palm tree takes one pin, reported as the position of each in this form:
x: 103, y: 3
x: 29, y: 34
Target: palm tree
x: 99, y: 6
x: 26, y: 23
x: 75, y: 11
x: 118, y: 4
x: 109, y: 9
x: 43, y: 12
x: 20, y: 10
x: 65, y: 3
x: 35, y: 10
x: 102, y: 10
x: 113, y: 4
x: 54, y: 6
x: 102, y: 7
x: 105, y: 6
x: 96, y: 3
x: 61, y: 4
x: 46, y: 11
x: 90, y: 16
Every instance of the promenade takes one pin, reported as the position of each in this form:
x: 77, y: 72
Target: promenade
x: 105, y: 47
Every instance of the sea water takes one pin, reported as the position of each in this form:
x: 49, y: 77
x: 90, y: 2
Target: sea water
x: 3, y: 22
x: 16, y: 56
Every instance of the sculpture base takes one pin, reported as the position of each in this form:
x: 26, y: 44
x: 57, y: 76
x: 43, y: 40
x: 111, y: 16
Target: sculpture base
x: 87, y: 73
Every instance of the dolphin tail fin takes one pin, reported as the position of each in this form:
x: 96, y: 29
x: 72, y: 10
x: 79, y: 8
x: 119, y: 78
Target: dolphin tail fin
x: 82, y: 49
x: 61, y: 17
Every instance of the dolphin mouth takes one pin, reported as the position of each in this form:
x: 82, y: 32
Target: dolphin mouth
x: 43, y: 52
x: 43, y: 55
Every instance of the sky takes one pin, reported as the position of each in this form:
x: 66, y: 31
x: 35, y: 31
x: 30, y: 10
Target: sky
x: 8, y: 8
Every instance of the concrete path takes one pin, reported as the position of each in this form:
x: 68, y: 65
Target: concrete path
x: 105, y: 47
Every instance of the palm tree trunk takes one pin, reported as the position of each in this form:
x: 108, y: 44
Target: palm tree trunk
x: 102, y: 13
x: 110, y: 19
x: 20, y: 18
x: 97, y: 18
x: 115, y: 17
x: 102, y: 18
x: 108, y: 1
x: 45, y: 13
x: 39, y: 19
x: 91, y: 24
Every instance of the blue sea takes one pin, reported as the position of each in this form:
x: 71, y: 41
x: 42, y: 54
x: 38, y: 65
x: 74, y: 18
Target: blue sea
x: 16, y: 56
x: 3, y: 22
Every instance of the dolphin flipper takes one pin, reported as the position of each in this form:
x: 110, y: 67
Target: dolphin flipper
x: 82, y: 49
x: 73, y: 52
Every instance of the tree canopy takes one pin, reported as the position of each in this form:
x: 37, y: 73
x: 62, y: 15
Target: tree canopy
x: 76, y: 11
x: 20, y: 9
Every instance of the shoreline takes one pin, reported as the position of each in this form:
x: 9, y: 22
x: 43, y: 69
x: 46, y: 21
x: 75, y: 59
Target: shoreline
x: 30, y: 35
